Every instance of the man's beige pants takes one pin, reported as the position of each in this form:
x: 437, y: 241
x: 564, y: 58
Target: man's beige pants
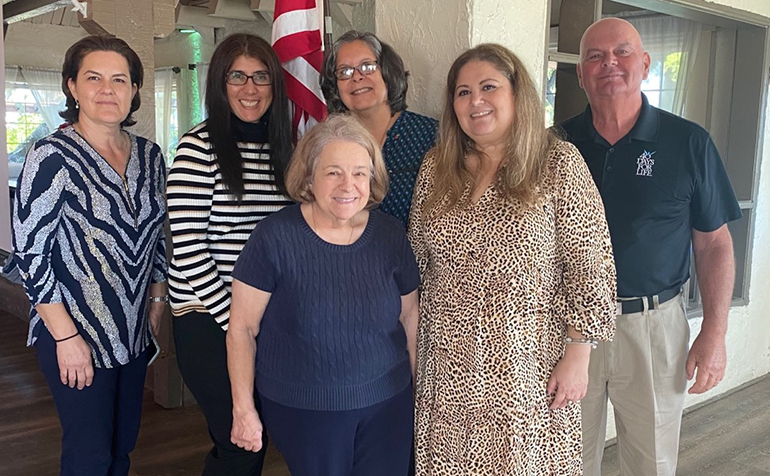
x: 643, y: 373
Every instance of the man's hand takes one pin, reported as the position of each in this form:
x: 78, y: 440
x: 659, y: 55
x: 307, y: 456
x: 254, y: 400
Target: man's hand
x: 709, y: 356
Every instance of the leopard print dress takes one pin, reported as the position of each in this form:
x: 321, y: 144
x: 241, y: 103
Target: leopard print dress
x: 501, y: 281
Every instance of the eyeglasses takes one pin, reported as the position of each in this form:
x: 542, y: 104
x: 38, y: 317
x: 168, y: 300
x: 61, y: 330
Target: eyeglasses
x: 366, y: 68
x: 239, y: 78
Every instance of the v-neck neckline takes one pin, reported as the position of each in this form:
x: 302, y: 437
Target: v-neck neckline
x: 132, y: 143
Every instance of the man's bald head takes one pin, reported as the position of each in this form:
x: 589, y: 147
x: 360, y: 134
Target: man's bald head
x: 613, y: 62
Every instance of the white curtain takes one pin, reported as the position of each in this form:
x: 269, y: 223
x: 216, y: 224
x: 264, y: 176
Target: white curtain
x: 202, y: 71
x: 46, y: 89
x: 11, y: 77
x: 164, y: 85
x: 673, y: 46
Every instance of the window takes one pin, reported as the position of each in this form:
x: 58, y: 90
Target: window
x: 33, y: 100
x: 21, y: 120
x: 166, y: 111
x: 711, y: 72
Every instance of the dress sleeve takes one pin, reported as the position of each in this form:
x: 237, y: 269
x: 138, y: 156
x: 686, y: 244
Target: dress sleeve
x: 584, y: 247
x: 40, y: 196
x: 191, y: 182
x: 160, y: 262
x: 422, y: 190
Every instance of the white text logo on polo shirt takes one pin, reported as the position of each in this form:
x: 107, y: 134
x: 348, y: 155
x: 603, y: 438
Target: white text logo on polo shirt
x: 644, y: 164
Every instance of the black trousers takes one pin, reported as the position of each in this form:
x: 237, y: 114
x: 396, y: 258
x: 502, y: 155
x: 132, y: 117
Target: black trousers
x: 202, y: 356
x: 100, y: 424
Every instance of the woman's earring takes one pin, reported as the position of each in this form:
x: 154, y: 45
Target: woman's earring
x: 77, y: 104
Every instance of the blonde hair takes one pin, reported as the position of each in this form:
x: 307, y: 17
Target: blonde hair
x: 528, y: 141
x: 337, y: 127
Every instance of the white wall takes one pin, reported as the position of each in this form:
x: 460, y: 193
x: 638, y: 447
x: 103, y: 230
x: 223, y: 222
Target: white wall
x: 520, y: 25
x: 5, y: 204
x: 428, y: 35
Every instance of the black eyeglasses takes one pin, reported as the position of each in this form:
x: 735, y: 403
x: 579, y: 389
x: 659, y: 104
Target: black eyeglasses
x: 346, y: 72
x: 239, y: 78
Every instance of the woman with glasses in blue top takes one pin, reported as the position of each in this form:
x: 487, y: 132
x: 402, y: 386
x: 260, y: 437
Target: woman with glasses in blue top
x: 366, y: 77
x: 228, y: 174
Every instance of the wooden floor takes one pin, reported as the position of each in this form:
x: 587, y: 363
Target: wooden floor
x: 171, y: 442
x: 727, y: 437
x: 730, y: 437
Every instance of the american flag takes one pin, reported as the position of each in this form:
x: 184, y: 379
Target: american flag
x: 297, y: 42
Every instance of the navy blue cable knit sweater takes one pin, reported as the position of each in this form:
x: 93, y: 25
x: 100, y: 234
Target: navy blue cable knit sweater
x: 330, y: 338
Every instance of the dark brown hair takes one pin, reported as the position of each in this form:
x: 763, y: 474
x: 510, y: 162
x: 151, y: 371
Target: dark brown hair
x: 73, y: 60
x: 219, y: 125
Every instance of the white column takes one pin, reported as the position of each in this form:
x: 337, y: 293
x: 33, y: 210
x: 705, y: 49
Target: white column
x: 5, y: 203
x: 430, y: 34
x: 135, y: 26
x: 519, y: 25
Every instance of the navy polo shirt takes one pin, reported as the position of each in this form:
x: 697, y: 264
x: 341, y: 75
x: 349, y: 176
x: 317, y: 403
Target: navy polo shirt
x: 660, y: 181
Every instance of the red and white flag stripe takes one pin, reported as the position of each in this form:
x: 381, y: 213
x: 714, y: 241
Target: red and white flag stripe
x: 297, y: 42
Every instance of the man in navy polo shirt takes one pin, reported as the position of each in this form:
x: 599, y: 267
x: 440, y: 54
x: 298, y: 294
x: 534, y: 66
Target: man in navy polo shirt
x: 665, y: 189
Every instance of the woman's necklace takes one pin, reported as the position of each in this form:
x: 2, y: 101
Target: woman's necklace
x: 315, y: 228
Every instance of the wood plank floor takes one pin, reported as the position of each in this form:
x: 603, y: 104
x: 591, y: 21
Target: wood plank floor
x: 729, y: 437
x: 171, y: 442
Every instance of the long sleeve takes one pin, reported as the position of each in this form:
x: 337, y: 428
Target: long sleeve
x: 584, y: 247
x: 40, y: 194
x: 191, y: 184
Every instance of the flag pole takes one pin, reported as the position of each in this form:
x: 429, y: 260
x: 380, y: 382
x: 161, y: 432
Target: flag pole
x: 327, y: 26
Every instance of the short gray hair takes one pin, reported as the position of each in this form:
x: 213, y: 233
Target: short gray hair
x: 336, y: 127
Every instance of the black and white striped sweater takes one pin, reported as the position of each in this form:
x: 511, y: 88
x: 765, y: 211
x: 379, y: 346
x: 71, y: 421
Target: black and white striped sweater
x: 208, y: 226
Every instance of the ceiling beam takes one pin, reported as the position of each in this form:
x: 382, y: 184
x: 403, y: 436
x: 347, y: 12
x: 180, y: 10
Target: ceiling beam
x: 231, y: 9
x: 25, y: 9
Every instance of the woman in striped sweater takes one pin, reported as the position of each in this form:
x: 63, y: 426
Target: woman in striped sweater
x: 227, y: 176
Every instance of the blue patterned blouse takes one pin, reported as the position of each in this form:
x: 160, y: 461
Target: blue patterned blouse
x: 410, y: 137
x: 92, y: 240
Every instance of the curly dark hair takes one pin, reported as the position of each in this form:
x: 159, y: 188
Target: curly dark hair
x: 391, y: 65
x: 73, y: 60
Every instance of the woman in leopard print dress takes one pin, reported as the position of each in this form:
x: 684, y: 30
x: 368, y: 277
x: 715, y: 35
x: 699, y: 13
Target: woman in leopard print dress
x: 515, y: 256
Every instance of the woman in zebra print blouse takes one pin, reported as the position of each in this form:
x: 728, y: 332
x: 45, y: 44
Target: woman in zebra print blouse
x: 88, y: 240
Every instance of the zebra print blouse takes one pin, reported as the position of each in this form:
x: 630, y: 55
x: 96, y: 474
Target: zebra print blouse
x: 92, y: 240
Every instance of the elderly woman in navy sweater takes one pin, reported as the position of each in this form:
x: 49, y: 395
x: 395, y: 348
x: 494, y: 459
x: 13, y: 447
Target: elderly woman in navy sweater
x: 329, y: 289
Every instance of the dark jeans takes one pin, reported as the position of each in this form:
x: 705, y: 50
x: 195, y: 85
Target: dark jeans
x: 371, y: 441
x: 202, y: 356
x: 100, y: 424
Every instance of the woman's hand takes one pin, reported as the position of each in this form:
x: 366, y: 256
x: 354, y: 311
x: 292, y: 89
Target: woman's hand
x: 247, y: 430
x: 569, y: 379
x: 75, y: 366
x: 155, y: 314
